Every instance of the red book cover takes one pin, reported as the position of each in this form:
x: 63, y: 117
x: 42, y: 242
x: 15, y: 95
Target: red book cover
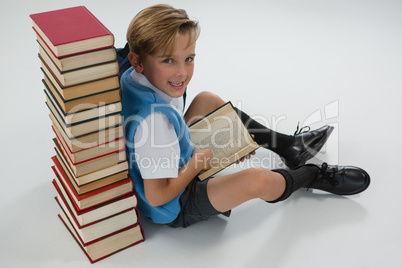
x: 98, y: 145
x: 88, y: 201
x: 84, y: 247
x: 80, y: 212
x: 71, y: 189
x: 70, y: 25
x: 94, y: 222
x: 65, y: 148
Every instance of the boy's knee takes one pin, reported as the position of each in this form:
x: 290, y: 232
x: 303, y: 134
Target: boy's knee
x: 260, y: 181
x: 209, y: 97
x: 205, y: 95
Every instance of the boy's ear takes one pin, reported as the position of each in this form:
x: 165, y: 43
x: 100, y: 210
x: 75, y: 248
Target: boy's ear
x: 135, y: 61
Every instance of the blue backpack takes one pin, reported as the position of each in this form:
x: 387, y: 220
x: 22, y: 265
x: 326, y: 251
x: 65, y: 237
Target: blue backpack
x: 124, y: 63
x: 122, y: 58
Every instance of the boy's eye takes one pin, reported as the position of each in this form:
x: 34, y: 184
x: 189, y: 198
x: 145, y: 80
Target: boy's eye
x: 168, y: 61
x: 189, y: 59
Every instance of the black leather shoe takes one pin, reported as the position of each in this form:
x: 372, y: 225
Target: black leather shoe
x: 341, y: 180
x: 306, y: 145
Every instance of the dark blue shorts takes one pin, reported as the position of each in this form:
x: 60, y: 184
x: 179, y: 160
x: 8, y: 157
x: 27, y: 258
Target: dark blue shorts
x: 195, y: 205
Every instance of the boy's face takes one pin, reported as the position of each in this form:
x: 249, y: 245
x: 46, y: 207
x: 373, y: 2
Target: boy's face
x: 171, y: 73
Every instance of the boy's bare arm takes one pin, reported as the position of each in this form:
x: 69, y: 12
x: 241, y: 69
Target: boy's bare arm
x: 161, y: 191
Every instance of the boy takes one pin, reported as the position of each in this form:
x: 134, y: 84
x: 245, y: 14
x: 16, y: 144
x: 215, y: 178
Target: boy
x: 164, y: 164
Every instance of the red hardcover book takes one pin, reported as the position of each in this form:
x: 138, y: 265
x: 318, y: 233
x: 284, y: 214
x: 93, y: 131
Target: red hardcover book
x: 73, y: 160
x: 80, y: 60
x: 90, y: 186
x: 102, y: 228
x: 96, y: 213
x: 96, y: 164
x: 92, y: 152
x: 109, y: 245
x: 96, y: 197
x: 71, y: 31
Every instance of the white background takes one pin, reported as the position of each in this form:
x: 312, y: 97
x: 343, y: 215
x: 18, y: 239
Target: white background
x: 284, y: 61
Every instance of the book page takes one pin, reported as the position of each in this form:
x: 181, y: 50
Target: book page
x: 225, y: 135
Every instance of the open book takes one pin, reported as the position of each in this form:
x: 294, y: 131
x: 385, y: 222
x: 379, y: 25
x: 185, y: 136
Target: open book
x: 223, y: 132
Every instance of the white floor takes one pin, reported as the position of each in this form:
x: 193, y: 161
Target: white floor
x: 317, y: 62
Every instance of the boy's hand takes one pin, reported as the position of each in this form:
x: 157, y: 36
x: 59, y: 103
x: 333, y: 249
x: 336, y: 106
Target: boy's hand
x: 203, y: 158
x: 245, y: 157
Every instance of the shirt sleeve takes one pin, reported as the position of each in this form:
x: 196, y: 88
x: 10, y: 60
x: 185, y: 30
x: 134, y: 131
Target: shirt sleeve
x: 157, y: 150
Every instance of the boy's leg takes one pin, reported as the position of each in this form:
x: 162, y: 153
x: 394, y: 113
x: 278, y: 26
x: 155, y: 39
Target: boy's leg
x: 204, y: 103
x: 229, y: 191
x: 294, y: 150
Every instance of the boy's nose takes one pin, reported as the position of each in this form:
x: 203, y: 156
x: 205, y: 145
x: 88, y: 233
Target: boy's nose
x: 181, y: 71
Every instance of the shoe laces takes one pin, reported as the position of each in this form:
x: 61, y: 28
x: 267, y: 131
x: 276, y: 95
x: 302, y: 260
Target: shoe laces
x: 327, y: 174
x: 301, y: 130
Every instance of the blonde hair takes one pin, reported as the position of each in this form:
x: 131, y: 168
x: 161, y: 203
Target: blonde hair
x: 158, y: 27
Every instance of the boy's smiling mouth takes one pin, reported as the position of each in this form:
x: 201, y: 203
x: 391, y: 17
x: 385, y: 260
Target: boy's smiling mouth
x: 176, y: 85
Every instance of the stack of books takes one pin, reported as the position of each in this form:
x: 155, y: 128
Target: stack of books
x: 80, y: 77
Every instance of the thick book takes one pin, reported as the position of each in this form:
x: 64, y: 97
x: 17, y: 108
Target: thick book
x: 87, y: 187
x: 108, y: 245
x: 81, y: 90
x: 89, y: 140
x: 108, y: 173
x: 96, y: 197
x: 92, y: 165
x: 78, y: 61
x: 83, y: 75
x: 88, y: 114
x: 101, y: 228
x: 92, y: 152
x: 71, y: 31
x: 96, y: 213
x: 223, y: 132
x: 82, y: 103
x: 97, y: 112
x: 89, y: 126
